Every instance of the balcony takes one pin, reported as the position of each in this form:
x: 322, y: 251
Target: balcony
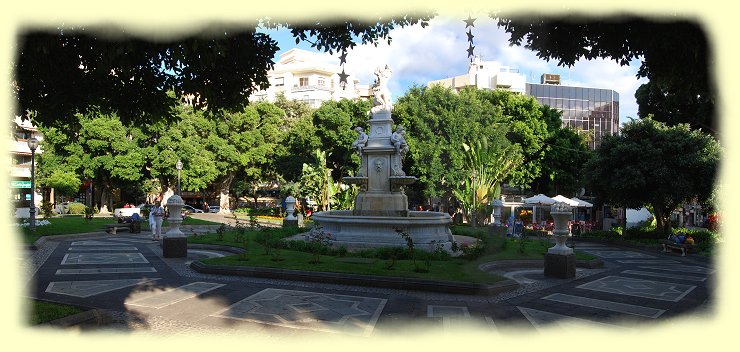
x: 309, y: 88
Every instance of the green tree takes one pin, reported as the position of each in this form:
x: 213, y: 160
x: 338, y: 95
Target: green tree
x: 335, y: 122
x: 316, y: 182
x: 245, y: 144
x: 674, y: 56
x: 650, y: 163
x: 488, y: 165
x: 102, y: 150
x: 566, y: 154
x: 439, y: 120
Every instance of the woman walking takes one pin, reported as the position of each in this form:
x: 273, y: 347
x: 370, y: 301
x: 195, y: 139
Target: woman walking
x: 156, y: 215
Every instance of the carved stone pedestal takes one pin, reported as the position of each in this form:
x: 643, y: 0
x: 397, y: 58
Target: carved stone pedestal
x: 175, y: 247
x: 560, y: 266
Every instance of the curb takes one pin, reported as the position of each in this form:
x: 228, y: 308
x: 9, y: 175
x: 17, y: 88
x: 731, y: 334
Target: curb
x: 536, y: 263
x: 359, y: 280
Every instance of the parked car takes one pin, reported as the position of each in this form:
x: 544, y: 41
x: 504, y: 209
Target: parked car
x: 214, y: 209
x: 190, y: 209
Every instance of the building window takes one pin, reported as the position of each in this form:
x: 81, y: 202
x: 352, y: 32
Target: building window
x: 303, y: 82
x: 279, y: 82
x: 322, y: 83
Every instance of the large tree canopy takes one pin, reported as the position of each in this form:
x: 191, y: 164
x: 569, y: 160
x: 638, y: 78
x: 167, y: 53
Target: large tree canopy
x: 650, y: 163
x: 62, y: 71
x: 675, y: 58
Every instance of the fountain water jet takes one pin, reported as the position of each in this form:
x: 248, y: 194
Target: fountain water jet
x: 381, y: 207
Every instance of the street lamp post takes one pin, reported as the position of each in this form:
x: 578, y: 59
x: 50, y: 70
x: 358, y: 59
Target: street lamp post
x: 178, y: 165
x: 475, y: 195
x: 33, y: 143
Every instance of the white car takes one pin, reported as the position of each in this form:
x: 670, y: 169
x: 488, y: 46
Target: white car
x: 121, y: 214
x: 214, y: 209
x: 189, y: 209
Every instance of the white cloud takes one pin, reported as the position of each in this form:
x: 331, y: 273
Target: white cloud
x: 419, y: 55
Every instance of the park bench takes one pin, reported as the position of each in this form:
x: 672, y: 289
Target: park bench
x: 131, y: 227
x: 670, y: 244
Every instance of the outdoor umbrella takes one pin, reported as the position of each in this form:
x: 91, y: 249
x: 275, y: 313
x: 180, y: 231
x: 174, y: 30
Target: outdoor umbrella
x: 539, y: 199
x: 582, y: 203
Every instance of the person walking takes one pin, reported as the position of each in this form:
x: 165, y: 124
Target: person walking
x: 156, y: 215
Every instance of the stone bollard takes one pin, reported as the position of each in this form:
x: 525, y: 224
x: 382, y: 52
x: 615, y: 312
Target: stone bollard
x: 560, y: 261
x: 174, y: 243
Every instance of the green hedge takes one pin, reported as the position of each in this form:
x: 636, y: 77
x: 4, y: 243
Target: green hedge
x: 76, y: 208
x: 260, y: 211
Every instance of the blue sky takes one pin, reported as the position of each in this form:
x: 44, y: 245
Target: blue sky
x: 419, y: 55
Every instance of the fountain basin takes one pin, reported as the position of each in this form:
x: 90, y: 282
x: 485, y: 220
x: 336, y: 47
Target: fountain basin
x: 362, y: 232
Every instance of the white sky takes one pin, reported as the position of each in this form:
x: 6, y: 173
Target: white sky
x: 419, y: 55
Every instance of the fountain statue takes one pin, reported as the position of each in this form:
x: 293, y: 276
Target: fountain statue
x: 381, y: 207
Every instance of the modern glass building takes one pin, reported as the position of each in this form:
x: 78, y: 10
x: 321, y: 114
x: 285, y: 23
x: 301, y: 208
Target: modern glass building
x: 594, y: 111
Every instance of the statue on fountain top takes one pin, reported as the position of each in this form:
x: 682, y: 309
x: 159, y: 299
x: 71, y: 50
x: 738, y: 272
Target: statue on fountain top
x: 381, y: 93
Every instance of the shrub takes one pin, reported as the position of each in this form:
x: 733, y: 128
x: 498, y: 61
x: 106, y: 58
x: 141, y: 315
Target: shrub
x: 76, y: 208
x: 46, y: 209
x: 713, y: 223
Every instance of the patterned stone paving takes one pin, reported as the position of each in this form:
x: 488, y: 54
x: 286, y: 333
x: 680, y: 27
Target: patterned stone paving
x: 665, y: 291
x: 163, y: 299
x: 103, y: 258
x: 105, y: 271
x: 606, y: 305
x: 308, y: 310
x: 618, y: 254
x: 544, y: 320
x: 93, y: 287
x: 358, y: 314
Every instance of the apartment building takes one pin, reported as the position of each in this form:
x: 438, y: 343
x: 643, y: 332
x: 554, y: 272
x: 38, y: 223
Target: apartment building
x: 310, y: 77
x: 20, y: 168
x: 486, y: 75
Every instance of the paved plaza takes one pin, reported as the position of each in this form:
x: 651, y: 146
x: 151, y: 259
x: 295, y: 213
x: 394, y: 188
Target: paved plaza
x: 127, y: 276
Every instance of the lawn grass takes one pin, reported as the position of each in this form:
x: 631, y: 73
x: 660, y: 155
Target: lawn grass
x: 450, y: 269
x: 71, y: 224
x: 41, y: 311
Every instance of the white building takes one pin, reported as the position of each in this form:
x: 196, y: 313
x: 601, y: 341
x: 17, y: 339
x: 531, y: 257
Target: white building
x: 20, y: 168
x: 487, y: 75
x: 310, y: 77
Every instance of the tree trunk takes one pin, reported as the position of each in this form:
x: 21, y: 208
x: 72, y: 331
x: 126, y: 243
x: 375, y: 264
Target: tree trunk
x: 105, y: 199
x: 662, y: 219
x: 224, y: 186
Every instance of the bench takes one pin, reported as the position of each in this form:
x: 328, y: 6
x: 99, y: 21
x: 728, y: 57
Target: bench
x: 669, y: 244
x: 133, y: 227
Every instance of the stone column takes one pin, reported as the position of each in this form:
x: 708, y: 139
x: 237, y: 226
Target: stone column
x: 560, y: 261
x: 290, y: 220
x: 174, y: 242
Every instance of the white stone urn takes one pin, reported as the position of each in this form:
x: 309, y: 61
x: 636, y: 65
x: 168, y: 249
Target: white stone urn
x: 174, y: 205
x: 497, y: 205
x: 560, y: 212
x: 290, y: 208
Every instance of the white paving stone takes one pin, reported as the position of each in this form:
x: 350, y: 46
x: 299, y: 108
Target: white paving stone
x: 308, y: 310
x: 664, y: 275
x: 665, y: 291
x: 91, y: 288
x: 106, y: 271
x: 606, y: 305
x: 169, y: 297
